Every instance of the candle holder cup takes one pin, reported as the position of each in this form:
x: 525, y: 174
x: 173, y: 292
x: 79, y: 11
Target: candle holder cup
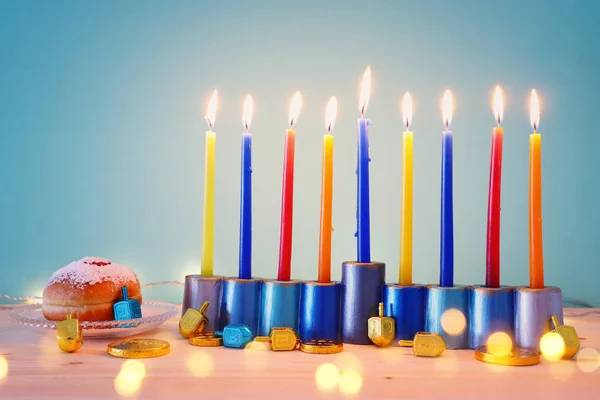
x: 279, y: 305
x: 448, y: 314
x: 491, y: 310
x: 198, y: 289
x: 406, y: 304
x: 240, y: 302
x: 320, y: 311
x: 362, y: 284
x: 533, y: 309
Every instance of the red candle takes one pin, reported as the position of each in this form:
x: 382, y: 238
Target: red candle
x: 492, y: 262
x: 287, y: 194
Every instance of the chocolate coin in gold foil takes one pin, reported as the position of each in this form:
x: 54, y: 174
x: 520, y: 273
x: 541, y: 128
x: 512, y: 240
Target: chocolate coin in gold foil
x: 517, y: 357
x: 206, y: 339
x: 139, y: 348
x: 321, y: 346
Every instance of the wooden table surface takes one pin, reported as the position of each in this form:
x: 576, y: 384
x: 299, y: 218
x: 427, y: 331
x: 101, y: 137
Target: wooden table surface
x: 37, y: 369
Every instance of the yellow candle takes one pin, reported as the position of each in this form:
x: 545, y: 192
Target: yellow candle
x: 406, y: 213
x: 208, y: 217
x: 536, y: 251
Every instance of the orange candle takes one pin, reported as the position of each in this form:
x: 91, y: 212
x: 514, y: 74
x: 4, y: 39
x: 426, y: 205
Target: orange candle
x: 327, y: 195
x: 536, y: 250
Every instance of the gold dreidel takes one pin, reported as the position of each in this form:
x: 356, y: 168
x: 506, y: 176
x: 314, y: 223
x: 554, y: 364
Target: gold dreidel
x: 381, y: 330
x: 280, y: 339
x: 69, y: 335
x: 425, y: 344
x: 193, y: 321
x: 569, y: 335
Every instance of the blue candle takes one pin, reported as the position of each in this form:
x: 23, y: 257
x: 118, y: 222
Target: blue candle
x: 447, y: 218
x: 363, y: 219
x: 245, y: 268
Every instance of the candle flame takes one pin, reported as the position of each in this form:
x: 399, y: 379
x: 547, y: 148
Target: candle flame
x: 498, y: 104
x: 295, y: 108
x: 534, y: 111
x: 211, y: 110
x: 407, y: 110
x: 447, y: 108
x: 247, y: 116
x: 330, y: 114
x: 365, y: 92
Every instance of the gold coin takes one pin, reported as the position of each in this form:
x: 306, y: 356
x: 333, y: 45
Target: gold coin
x: 321, y: 346
x: 139, y: 348
x: 206, y: 339
x: 517, y: 357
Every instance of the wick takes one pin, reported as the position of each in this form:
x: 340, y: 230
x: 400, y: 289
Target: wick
x: 246, y: 125
x: 210, y: 125
x: 534, y: 127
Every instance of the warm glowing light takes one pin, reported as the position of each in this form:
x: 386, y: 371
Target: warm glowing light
x: 447, y: 108
x: 295, y: 108
x: 3, y: 367
x: 129, y: 380
x: 552, y: 346
x: 498, y: 104
x: 327, y: 377
x: 499, y: 344
x: 588, y: 359
x: 453, y: 322
x: 247, y: 116
x: 200, y: 364
x: 407, y: 110
x: 331, y: 113
x: 365, y: 92
x: 350, y: 382
x: 255, y: 355
x: 211, y: 110
x: 33, y: 300
x: 534, y: 111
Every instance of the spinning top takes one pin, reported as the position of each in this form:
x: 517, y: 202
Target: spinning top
x: 193, y: 321
x: 69, y: 335
x: 236, y: 336
x: 381, y: 329
x: 425, y: 344
x: 280, y: 339
x: 127, y: 308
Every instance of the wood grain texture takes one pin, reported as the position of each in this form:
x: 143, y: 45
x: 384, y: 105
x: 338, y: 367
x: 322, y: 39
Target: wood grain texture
x: 38, y: 369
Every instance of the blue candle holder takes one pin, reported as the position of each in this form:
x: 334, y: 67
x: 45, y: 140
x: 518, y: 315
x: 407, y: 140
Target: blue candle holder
x: 362, y: 284
x: 406, y: 304
x: 533, y: 309
x: 197, y: 290
x: 491, y: 310
x: 320, y: 311
x: 240, y: 302
x: 448, y: 314
x: 279, y: 305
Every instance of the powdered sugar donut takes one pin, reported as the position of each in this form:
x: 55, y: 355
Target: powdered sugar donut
x: 87, y: 289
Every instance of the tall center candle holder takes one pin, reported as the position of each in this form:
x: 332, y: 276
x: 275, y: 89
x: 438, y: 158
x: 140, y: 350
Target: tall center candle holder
x: 491, y: 310
x: 240, y: 302
x: 198, y: 289
x: 362, y: 284
x: 533, y: 310
x: 279, y: 305
x: 448, y: 314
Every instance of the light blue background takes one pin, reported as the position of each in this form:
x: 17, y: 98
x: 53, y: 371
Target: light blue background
x: 102, y: 135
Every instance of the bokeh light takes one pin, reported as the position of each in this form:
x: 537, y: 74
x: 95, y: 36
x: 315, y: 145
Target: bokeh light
x: 588, y: 359
x: 552, y: 346
x: 453, y: 322
x: 129, y: 380
x: 349, y: 360
x: 350, y: 382
x: 499, y: 344
x: 3, y: 368
x: 200, y: 363
x: 327, y: 377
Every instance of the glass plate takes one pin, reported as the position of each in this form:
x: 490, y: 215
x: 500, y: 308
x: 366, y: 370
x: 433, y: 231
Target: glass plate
x: 155, y: 313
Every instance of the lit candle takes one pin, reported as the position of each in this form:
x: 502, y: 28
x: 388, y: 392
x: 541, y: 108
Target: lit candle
x: 447, y: 219
x: 406, y: 212
x: 245, y: 267
x: 287, y: 194
x: 327, y: 195
x: 492, y: 255
x: 536, y: 251
x: 363, y: 219
x: 208, y: 229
